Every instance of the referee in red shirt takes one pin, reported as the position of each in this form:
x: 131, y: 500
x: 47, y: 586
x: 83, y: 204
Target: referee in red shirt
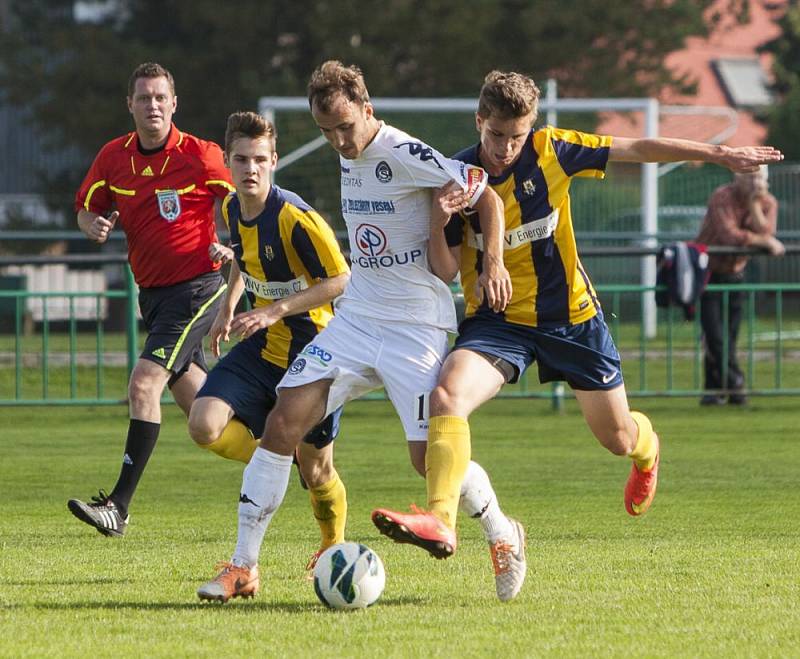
x: 164, y: 188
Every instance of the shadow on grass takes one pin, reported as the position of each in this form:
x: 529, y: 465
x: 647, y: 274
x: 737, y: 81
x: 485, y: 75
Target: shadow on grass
x: 66, y: 582
x: 243, y: 608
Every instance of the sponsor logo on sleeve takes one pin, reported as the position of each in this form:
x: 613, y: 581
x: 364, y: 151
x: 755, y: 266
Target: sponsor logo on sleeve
x: 475, y: 176
x: 421, y: 151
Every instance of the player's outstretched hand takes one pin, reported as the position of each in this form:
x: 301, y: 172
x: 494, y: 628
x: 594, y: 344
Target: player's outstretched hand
x: 748, y: 158
x: 101, y: 227
x: 219, y: 253
x: 495, y: 283
x: 247, y: 323
x: 447, y: 201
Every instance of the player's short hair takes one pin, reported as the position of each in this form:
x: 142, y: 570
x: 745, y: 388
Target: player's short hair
x: 508, y: 96
x: 249, y: 124
x: 331, y: 78
x: 150, y: 70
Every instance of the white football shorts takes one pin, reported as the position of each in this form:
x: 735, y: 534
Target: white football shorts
x: 360, y: 354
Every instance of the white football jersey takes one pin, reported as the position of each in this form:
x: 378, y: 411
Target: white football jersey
x: 386, y: 204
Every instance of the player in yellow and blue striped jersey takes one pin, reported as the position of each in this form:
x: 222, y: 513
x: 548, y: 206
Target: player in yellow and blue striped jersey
x: 288, y: 263
x: 554, y: 317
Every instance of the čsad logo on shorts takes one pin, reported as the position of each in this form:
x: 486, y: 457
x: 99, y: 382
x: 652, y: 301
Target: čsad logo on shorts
x: 297, y: 366
x: 169, y: 204
x: 323, y: 357
x: 370, y: 239
x: 383, y: 172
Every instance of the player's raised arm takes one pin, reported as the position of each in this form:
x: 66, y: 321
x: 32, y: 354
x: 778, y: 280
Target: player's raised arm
x: 494, y: 281
x: 666, y: 149
x: 447, y: 201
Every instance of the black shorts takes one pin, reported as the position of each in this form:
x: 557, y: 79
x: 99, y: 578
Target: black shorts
x: 177, y: 318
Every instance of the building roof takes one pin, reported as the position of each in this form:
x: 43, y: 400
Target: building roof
x: 725, y: 68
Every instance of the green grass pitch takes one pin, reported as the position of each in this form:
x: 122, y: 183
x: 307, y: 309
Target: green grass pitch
x: 712, y: 570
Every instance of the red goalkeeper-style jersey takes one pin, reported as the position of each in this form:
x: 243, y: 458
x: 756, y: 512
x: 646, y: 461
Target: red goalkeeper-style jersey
x: 165, y: 202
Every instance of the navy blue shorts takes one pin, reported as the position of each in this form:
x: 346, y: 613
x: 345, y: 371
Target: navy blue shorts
x: 177, y: 318
x: 583, y: 355
x: 247, y: 382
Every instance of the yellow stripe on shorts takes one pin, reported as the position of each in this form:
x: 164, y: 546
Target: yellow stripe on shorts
x: 185, y: 332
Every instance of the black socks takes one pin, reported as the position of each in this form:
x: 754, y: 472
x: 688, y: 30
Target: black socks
x: 142, y: 436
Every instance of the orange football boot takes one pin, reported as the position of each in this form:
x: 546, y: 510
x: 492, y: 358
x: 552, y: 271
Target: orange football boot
x: 233, y: 581
x: 419, y: 527
x: 641, y: 486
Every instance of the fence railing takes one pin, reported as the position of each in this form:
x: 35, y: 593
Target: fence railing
x: 74, y: 359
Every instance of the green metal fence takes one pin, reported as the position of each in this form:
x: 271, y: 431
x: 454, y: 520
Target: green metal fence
x: 79, y: 362
x: 56, y: 362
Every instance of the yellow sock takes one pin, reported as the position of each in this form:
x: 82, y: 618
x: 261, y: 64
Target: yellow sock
x: 329, y: 503
x: 446, y: 461
x: 644, y: 453
x: 235, y: 443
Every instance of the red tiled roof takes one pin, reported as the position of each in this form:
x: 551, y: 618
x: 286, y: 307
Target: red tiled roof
x: 728, y: 40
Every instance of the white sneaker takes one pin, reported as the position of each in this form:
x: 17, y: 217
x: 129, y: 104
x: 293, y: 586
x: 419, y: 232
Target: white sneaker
x: 508, y: 559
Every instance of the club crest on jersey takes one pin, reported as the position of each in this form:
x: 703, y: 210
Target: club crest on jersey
x: 169, y: 204
x: 528, y: 187
x: 269, y: 253
x: 383, y: 172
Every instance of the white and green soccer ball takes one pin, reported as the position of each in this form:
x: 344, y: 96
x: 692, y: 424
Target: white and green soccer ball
x: 349, y: 576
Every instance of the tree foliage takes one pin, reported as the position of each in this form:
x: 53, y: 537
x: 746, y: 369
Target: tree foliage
x: 784, y: 119
x: 73, y: 74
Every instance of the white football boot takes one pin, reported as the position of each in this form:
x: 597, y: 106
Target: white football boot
x: 508, y: 559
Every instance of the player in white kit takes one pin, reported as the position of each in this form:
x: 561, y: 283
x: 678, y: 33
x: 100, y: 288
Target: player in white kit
x: 391, y: 322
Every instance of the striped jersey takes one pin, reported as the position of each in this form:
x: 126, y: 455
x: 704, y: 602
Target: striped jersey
x: 284, y: 250
x: 550, y: 286
x: 165, y: 202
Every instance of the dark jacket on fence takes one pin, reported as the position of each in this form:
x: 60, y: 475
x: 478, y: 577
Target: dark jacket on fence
x: 683, y: 270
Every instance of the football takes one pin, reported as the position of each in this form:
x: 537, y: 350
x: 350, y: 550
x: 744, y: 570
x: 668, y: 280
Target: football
x: 349, y: 576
